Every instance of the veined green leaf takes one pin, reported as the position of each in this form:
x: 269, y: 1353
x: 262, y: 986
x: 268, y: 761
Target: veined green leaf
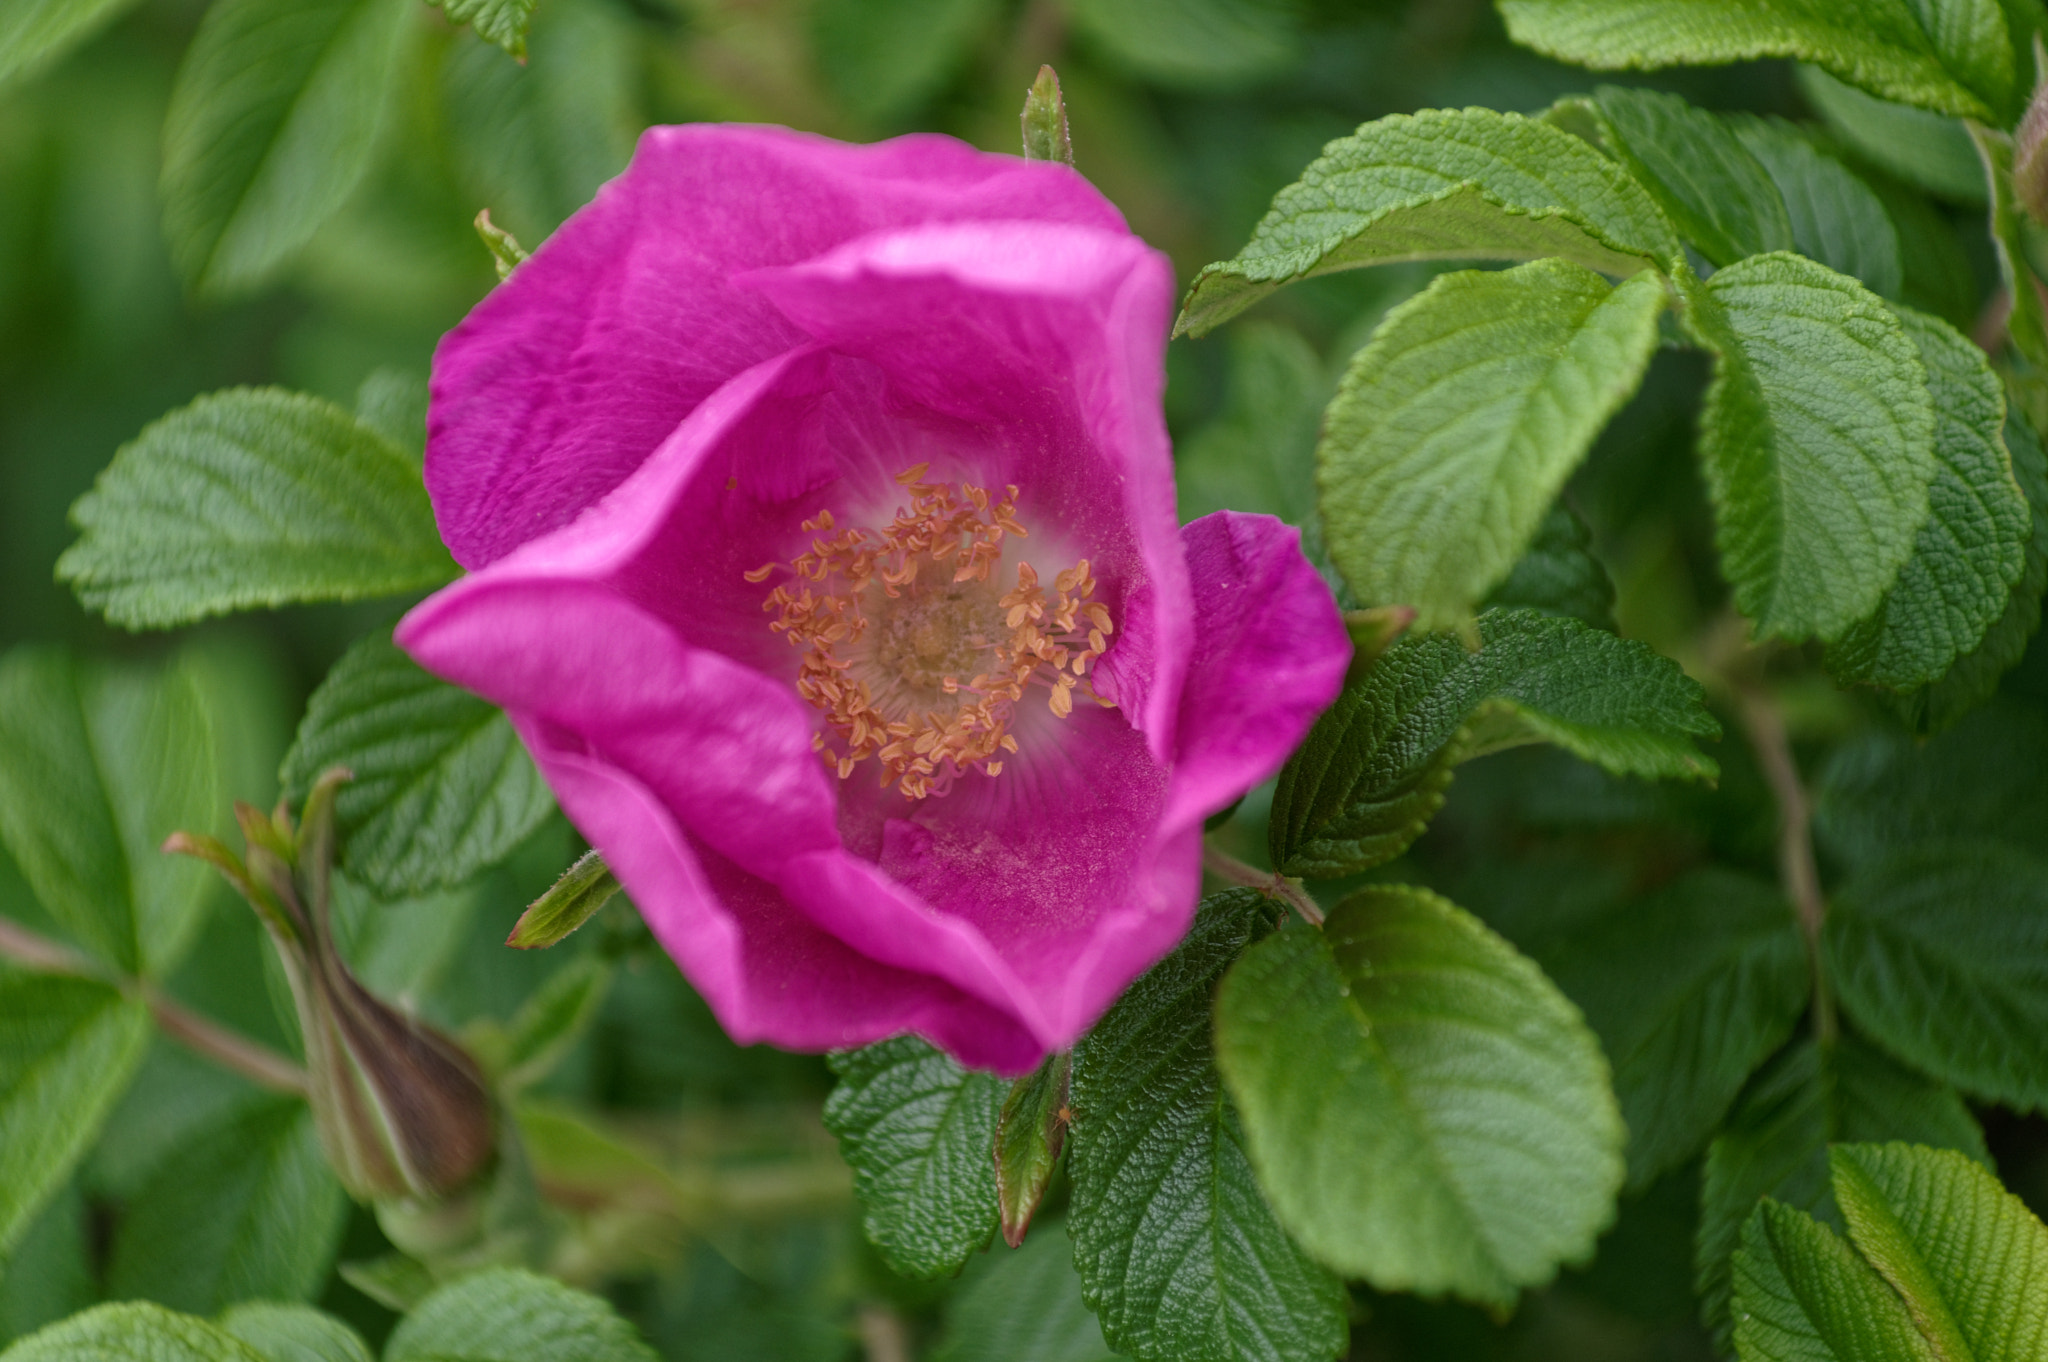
x: 1179, y: 1254
x: 1559, y: 575
x: 133, y: 1332
x: 1373, y: 769
x: 1878, y: 45
x: 919, y: 1132
x: 1455, y: 428
x: 1940, y: 954
x: 443, y: 787
x: 294, y: 1333
x: 1721, y: 198
x: 1425, y: 1110
x: 1818, y: 441
x: 1802, y: 1295
x: 1835, y: 217
x: 272, y: 121
x: 67, y: 1050
x: 1775, y: 1143
x: 251, y: 497
x: 1024, y: 1303
x: 36, y: 31
x: 507, y: 1315
x: 1440, y: 185
x: 503, y: 22
x: 1923, y: 149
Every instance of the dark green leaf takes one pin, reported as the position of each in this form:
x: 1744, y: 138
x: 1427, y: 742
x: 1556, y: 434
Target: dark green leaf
x: 884, y: 58
x: 920, y: 1133
x: 1802, y: 1295
x: 1924, y: 149
x: 276, y: 111
x: 1023, y: 1306
x: 1259, y: 454
x: 443, y: 787
x: 1836, y: 218
x: 570, y: 902
x: 36, y: 31
x: 1425, y: 1110
x: 136, y: 1332
x: 1179, y: 1254
x: 294, y: 1333
x: 506, y: 1315
x: 1030, y: 1133
x: 1559, y: 574
x: 1721, y: 198
x: 251, y: 497
x: 48, y: 1274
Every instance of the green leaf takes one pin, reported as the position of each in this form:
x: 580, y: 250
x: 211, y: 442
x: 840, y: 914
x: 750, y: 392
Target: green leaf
x: 1559, y: 574
x: 1940, y: 954
x: 1967, y: 1257
x: 1440, y: 185
x: 507, y: 1315
x: 1259, y: 454
x: 1425, y: 1110
x: 48, y: 1274
x: 2028, y: 324
x: 68, y: 1048
x: 393, y: 402
x: 1043, y: 121
x: 443, y: 787
x: 97, y: 766
x: 1204, y: 45
x: 33, y: 32
x: 919, y: 1132
x: 276, y: 110
x: 570, y: 902
x: 1689, y: 990
x: 1818, y: 440
x: 1802, y: 1295
x: 1030, y: 1133
x: 1023, y: 1306
x: 243, y: 1210
x: 1721, y: 198
x: 552, y: 1019
x: 1836, y: 218
x: 251, y: 497
x: 1972, y: 549
x: 1878, y: 45
x: 503, y: 22
x: 1775, y: 1143
x: 1925, y: 150
x: 884, y: 58
x: 294, y: 1333
x: 136, y: 1332
x: 1373, y: 769
x: 1179, y: 1254
x: 1455, y: 428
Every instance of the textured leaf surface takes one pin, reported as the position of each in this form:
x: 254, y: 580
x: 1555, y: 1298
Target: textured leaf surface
x: 1441, y: 185
x: 503, y: 22
x: 1835, y: 217
x: 272, y: 121
x: 1775, y: 1143
x: 1971, y: 551
x: 251, y: 497
x: 507, y: 1315
x: 1941, y: 956
x: 68, y: 1048
x: 1024, y: 1305
x: 1878, y: 45
x: 242, y: 1211
x: 1720, y: 196
x: 1968, y: 1257
x: 1425, y: 1110
x: 1924, y: 149
x: 1372, y: 771
x: 133, y: 1332
x: 294, y: 1333
x: 919, y: 1132
x: 1179, y: 1254
x: 1802, y: 1295
x: 36, y: 31
x: 1454, y: 429
x: 1818, y: 441
x: 1689, y: 991
x: 443, y: 787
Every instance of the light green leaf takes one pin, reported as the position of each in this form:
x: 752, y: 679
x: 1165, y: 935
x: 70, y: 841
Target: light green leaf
x: 33, y: 32
x: 503, y: 22
x: 1802, y: 1295
x: 1923, y: 149
x: 1179, y: 1254
x: 401, y: 949
x: 251, y: 497
x: 506, y: 1315
x: 1201, y: 44
x: 393, y: 402
x: 1972, y: 549
x: 570, y: 902
x: 1024, y: 1305
x: 1259, y: 454
x: 2028, y: 325
x: 919, y: 1132
x: 1689, y: 990
x: 1455, y: 428
x: 1835, y: 217
x: 1440, y: 185
x: 134, y: 1332
x: 1775, y: 1143
x: 243, y: 1210
x: 443, y: 787
x: 884, y: 58
x: 1818, y: 441
x: 1940, y: 954
x: 1373, y: 769
x: 1967, y: 1257
x: 1721, y: 198
x: 1425, y: 1110
x: 67, y: 1050
x: 1878, y: 45
x: 1559, y: 574
x: 97, y: 766
x: 294, y: 1333
x: 276, y: 110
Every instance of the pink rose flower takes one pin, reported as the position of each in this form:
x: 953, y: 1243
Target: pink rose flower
x: 819, y: 516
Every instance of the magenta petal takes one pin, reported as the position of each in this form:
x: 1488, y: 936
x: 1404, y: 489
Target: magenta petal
x: 570, y: 373
x: 1270, y: 655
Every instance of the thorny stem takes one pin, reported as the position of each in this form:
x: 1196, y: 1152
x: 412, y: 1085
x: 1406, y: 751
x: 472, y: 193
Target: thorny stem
x: 1228, y: 868
x: 1797, y: 869
x: 257, y: 1063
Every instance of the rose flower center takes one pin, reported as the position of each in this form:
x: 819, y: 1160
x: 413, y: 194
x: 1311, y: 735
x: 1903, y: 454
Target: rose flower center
x: 912, y: 647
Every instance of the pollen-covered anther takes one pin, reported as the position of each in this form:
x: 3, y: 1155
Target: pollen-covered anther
x: 901, y: 613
